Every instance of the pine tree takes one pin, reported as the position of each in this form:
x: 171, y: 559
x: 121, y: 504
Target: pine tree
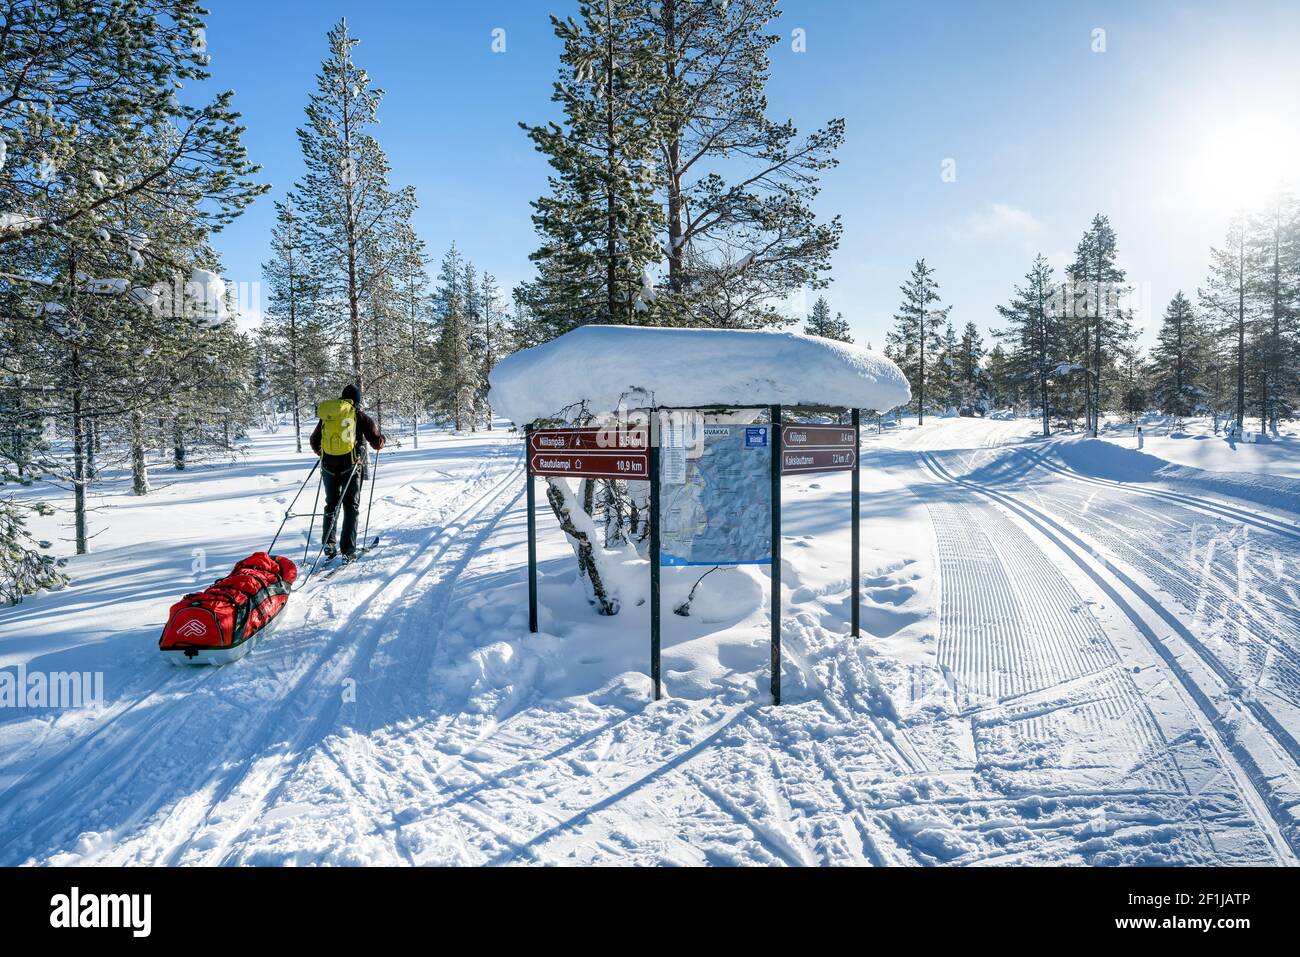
x: 1035, y: 319
x: 345, y: 198
x: 1178, y: 360
x: 914, y: 342
x: 85, y: 89
x: 821, y: 324
x: 738, y: 187
x: 598, y: 225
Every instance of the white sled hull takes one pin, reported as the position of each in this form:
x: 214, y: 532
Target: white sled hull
x: 180, y: 657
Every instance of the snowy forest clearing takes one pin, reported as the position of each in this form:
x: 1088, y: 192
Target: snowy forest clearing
x: 1055, y: 667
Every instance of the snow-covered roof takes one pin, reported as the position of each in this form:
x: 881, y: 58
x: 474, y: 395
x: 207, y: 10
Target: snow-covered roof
x: 643, y: 366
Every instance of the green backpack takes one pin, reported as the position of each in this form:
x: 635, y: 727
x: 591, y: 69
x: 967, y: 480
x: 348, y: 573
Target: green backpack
x: 338, y: 426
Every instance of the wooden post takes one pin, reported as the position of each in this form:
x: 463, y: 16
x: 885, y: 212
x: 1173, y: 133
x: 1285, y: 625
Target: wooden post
x: 776, y: 553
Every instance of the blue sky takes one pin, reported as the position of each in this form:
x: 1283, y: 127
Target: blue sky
x: 1191, y: 109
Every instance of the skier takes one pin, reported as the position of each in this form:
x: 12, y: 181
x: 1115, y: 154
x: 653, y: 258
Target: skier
x: 336, y: 439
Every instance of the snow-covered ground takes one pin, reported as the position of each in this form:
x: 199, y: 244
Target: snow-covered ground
x: 1071, y: 654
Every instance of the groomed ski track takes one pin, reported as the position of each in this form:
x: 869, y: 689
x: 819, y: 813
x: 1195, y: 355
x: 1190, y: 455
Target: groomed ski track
x: 1111, y: 675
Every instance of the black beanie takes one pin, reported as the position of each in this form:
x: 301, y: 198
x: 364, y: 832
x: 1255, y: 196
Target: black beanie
x: 351, y: 393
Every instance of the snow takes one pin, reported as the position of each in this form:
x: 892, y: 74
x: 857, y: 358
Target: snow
x: 105, y: 287
x: 613, y: 367
x: 206, y: 292
x: 12, y: 222
x: 1192, y: 443
x: 1062, y: 662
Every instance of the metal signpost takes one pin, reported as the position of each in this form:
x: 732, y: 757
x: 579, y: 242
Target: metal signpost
x: 778, y: 443
x: 636, y: 455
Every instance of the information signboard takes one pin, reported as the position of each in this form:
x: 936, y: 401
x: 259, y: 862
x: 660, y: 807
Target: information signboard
x: 720, y: 511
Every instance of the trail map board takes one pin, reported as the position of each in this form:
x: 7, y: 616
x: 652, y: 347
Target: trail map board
x: 716, y: 498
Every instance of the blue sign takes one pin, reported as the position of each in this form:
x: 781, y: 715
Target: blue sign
x: 756, y: 437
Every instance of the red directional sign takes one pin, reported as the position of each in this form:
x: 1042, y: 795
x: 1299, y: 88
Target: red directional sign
x: 612, y: 453
x: 608, y: 440
x: 816, y: 437
x: 795, y: 461
x: 612, y: 465
x: 817, y: 448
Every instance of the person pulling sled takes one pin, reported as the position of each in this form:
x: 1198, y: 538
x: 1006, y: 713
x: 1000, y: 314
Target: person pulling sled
x: 337, y: 441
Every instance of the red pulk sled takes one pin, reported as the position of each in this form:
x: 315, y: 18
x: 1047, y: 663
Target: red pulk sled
x: 221, y: 623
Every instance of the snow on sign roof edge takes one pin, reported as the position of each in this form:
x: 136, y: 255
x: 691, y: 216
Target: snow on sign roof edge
x: 638, y: 366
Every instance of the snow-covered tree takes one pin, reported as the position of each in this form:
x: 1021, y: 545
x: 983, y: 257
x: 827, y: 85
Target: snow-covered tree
x: 85, y: 88
x: 414, y: 309
x: 458, y: 382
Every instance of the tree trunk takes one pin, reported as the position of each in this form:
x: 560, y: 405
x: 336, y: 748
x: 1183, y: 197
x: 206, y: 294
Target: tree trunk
x: 611, y: 209
x: 581, y: 532
x: 78, y: 456
x: 139, y: 460
x: 673, y: 148
x: 920, y: 393
x: 1241, y: 331
x: 178, y: 445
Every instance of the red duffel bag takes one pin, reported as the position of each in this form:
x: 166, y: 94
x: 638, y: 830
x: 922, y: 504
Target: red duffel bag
x: 216, y: 625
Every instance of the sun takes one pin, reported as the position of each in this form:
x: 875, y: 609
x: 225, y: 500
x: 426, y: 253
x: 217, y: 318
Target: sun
x: 1240, y: 162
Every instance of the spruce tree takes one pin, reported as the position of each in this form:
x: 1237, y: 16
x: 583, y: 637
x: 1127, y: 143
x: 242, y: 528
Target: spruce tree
x: 1035, y: 319
x: 414, y: 308
x: 1100, y: 320
x: 1178, y: 360
x: 821, y: 324
x: 914, y: 342
x: 291, y: 328
x: 1225, y: 296
x: 1274, y: 280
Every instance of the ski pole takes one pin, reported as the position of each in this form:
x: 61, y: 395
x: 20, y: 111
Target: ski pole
x: 365, y: 536
x: 312, y: 524
x: 288, y: 514
x: 329, y: 532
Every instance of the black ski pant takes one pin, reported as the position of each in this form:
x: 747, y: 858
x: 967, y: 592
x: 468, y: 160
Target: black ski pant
x: 342, y: 487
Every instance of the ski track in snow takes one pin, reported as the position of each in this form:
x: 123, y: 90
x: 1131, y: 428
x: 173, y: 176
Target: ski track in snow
x: 1112, y: 677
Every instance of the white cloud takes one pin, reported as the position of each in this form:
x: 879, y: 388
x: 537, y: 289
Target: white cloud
x: 1000, y: 220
